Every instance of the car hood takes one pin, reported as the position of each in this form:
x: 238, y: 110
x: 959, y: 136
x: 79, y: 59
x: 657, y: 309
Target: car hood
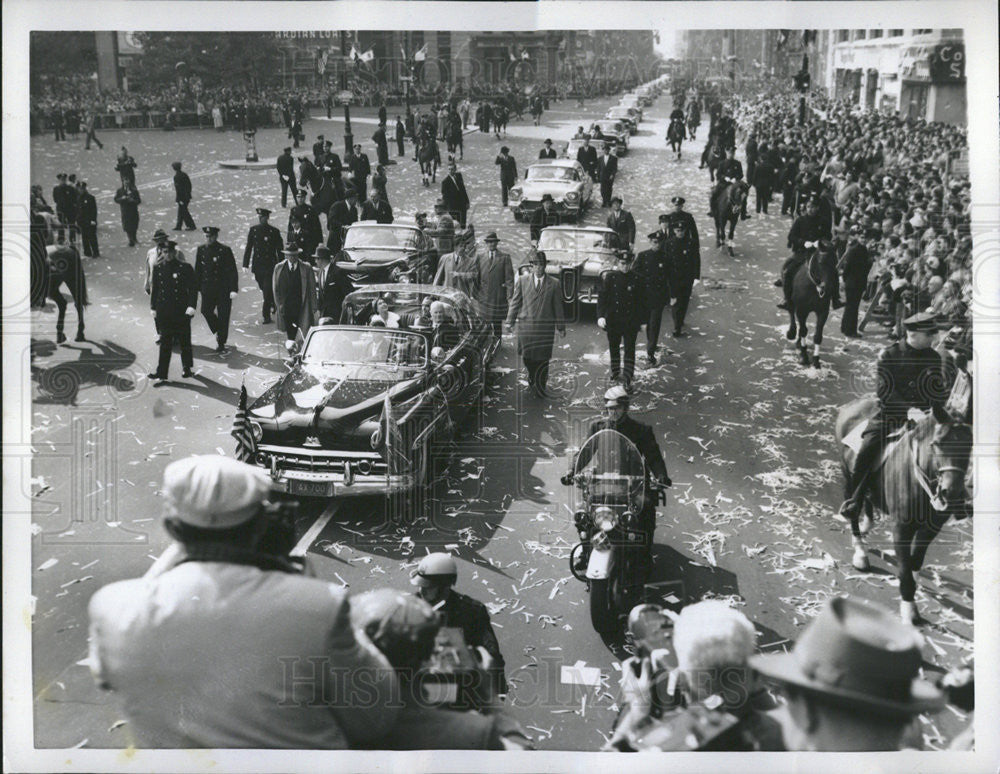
x: 534, y: 189
x: 340, y: 392
x: 369, y: 256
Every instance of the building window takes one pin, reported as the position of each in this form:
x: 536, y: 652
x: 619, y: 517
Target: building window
x: 843, y: 36
x: 859, y: 34
x: 922, y: 32
x: 874, y: 33
x: 895, y: 33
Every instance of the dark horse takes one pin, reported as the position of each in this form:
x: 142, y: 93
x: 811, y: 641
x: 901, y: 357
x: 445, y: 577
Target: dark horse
x: 675, y: 135
x: 322, y: 188
x: 713, y: 156
x: 920, y: 484
x: 727, y: 205
x: 812, y: 287
x: 65, y: 266
x: 693, y: 120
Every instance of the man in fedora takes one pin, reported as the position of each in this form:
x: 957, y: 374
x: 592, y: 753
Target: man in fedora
x: 456, y: 198
x: 536, y: 308
x: 342, y: 214
x: 264, y: 246
x: 333, y: 284
x: 460, y: 269
x: 496, y: 283
x: 851, y: 681
x: 182, y: 195
x: 508, y: 173
x: 546, y: 215
x: 294, y: 296
x: 548, y: 152
x: 286, y: 174
x: 218, y: 282
x: 607, y: 169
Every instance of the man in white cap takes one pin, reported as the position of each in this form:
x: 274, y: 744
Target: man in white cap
x: 231, y: 645
x: 434, y: 578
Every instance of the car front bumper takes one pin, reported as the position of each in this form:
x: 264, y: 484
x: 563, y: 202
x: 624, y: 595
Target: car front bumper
x: 319, y: 473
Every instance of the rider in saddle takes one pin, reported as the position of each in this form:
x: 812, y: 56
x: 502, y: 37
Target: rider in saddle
x: 807, y: 231
x: 677, y: 117
x: 730, y: 171
x: 616, y: 401
x: 909, y: 377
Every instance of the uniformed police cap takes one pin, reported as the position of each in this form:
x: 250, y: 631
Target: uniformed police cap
x: 664, y: 218
x: 61, y: 176
x: 656, y: 236
x: 921, y: 321
x: 170, y: 243
x: 677, y: 201
x: 320, y: 137
x: 263, y: 211
x: 287, y: 150
x: 211, y: 491
x: 212, y: 230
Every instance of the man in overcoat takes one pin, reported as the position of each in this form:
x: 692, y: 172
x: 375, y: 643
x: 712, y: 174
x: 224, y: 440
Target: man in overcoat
x: 294, y: 296
x: 496, y: 283
x: 537, y: 310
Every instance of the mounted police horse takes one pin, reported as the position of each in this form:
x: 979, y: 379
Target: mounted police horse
x: 812, y: 293
x: 693, y: 119
x: 675, y: 135
x: 714, y: 155
x: 66, y: 267
x: 919, y: 484
x: 321, y: 187
x: 727, y: 204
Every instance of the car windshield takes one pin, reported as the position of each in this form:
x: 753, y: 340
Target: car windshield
x: 381, y: 237
x: 366, y: 346
x: 608, y: 126
x: 553, y: 239
x: 551, y: 173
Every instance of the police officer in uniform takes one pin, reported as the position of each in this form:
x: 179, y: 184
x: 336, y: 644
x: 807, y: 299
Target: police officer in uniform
x: 173, y: 295
x: 304, y: 228
x: 434, y: 578
x: 684, y: 263
x: 910, y: 374
x: 616, y: 402
x: 680, y: 215
x: 730, y: 170
x: 654, y: 269
x: 218, y: 283
x: 262, y: 254
x: 286, y: 174
x: 619, y: 313
x: 806, y: 233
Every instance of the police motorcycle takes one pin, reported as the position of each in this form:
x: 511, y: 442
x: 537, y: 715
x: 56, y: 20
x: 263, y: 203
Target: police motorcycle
x: 610, y: 473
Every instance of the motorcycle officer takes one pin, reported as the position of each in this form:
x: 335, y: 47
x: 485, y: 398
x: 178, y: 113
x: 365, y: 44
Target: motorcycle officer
x: 616, y: 401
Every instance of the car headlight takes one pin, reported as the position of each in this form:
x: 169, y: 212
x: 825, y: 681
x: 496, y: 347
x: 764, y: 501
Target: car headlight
x: 572, y: 196
x: 605, y: 519
x: 515, y: 193
x: 256, y: 431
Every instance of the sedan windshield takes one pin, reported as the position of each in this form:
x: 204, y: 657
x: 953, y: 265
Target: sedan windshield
x: 552, y: 173
x: 382, y: 236
x: 551, y: 239
x: 366, y: 346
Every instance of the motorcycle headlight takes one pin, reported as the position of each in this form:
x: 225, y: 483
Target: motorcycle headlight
x: 605, y: 519
x: 515, y: 193
x: 256, y: 431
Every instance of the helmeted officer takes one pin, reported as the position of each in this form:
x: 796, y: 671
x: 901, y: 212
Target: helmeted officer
x: 910, y: 374
x: 805, y: 234
x: 653, y: 268
x: 620, y: 306
x: 262, y: 254
x: 434, y: 578
x: 616, y: 401
x: 218, y: 282
x: 173, y: 295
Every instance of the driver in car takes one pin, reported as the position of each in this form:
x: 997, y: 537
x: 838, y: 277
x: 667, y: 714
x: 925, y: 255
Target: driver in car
x: 616, y: 402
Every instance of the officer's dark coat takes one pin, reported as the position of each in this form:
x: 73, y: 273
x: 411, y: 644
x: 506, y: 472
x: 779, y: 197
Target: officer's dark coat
x: 173, y: 290
x: 620, y: 300
x: 215, y: 269
x: 263, y: 251
x: 472, y: 617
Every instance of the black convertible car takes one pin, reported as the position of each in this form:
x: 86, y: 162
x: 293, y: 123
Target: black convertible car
x: 362, y: 407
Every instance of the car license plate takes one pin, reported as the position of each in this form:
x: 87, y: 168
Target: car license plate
x: 310, y: 488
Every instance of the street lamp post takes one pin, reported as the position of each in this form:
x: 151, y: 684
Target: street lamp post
x: 348, y: 136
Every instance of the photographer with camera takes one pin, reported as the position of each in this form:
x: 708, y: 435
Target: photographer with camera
x: 405, y: 629
x: 710, y: 701
x: 232, y: 645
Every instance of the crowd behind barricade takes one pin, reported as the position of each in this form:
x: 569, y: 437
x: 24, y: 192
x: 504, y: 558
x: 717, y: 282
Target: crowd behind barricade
x: 884, y: 183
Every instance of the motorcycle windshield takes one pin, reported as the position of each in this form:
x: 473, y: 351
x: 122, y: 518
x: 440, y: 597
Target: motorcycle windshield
x: 611, y: 465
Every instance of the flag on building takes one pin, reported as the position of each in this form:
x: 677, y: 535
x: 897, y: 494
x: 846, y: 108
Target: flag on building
x: 421, y: 54
x: 354, y: 55
x: 368, y: 56
x: 245, y: 444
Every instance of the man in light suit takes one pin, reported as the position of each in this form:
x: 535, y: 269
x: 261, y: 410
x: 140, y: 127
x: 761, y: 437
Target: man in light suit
x: 496, y: 283
x: 537, y: 309
x: 294, y: 296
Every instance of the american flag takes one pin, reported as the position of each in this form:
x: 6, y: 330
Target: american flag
x: 397, y: 461
x: 245, y: 446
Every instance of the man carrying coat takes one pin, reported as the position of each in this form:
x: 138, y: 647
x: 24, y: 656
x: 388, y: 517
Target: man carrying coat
x: 264, y: 246
x: 496, y: 283
x: 537, y: 310
x: 508, y: 173
x: 294, y: 296
x: 218, y: 282
x: 173, y: 295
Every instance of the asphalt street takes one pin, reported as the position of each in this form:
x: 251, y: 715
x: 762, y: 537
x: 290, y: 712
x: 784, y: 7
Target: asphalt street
x: 747, y: 434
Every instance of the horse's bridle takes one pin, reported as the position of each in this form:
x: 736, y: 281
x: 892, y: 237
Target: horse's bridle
x: 938, y: 502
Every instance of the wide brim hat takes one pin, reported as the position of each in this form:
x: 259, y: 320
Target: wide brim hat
x: 858, y: 656
x: 291, y: 251
x: 491, y: 237
x: 160, y: 235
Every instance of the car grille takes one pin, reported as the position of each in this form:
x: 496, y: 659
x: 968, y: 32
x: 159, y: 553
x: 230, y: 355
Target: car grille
x: 287, y: 458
